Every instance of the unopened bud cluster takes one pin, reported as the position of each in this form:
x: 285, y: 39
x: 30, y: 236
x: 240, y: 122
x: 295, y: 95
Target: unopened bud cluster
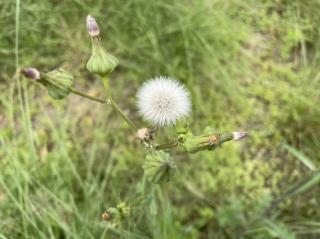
x: 117, y: 215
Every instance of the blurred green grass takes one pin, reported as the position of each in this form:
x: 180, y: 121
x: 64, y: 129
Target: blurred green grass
x: 248, y: 64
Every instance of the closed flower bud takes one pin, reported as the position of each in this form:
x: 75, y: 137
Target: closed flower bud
x: 106, y: 216
x: 124, y: 210
x: 159, y: 167
x: 117, y: 215
x: 92, y: 26
x: 114, y: 213
x: 31, y: 73
x: 58, y: 83
x: 101, y: 62
x: 194, y: 144
x: 113, y: 216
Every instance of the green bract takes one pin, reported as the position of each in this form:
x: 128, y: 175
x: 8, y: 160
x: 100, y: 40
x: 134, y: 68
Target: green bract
x: 58, y: 83
x: 101, y: 62
x: 159, y: 167
x: 193, y: 144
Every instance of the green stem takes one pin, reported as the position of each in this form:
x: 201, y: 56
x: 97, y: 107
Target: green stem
x: 107, y: 89
x: 167, y: 145
x: 74, y: 91
x: 113, y: 103
x: 109, y: 101
x: 124, y: 117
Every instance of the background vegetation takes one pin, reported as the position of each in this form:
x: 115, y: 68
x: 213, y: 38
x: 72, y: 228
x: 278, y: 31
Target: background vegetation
x: 249, y: 64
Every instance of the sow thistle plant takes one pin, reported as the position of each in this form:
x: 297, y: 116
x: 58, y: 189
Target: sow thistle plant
x: 162, y: 102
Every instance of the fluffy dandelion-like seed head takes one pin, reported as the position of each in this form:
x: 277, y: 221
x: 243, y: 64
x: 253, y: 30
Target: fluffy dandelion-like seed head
x: 162, y: 101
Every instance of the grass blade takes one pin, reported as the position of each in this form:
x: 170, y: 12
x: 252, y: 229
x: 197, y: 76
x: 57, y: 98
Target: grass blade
x: 304, y: 159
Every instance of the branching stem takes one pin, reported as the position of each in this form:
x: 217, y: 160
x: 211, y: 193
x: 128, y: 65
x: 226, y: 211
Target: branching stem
x: 109, y: 101
x: 124, y: 117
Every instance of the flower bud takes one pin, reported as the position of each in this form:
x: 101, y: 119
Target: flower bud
x: 106, y: 216
x: 101, y: 62
x: 31, y: 73
x: 58, y: 83
x: 92, y: 26
x: 117, y: 215
x: 159, y: 167
x: 124, y: 209
x: 113, y: 216
x: 194, y: 144
x: 143, y: 134
x: 114, y: 213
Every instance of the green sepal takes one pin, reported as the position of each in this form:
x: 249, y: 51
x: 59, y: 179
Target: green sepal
x: 101, y: 62
x: 182, y: 130
x: 182, y: 127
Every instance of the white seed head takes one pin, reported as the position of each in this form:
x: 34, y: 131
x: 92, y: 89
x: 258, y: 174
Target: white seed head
x: 92, y: 26
x: 162, y: 101
x: 239, y: 135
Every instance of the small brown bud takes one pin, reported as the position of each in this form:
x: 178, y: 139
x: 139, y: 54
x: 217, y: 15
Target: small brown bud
x: 106, y: 216
x: 31, y: 73
x: 143, y: 134
x: 92, y: 26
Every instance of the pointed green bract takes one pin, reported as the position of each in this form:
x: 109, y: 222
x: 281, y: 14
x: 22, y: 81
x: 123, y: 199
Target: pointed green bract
x: 159, y: 167
x: 194, y: 144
